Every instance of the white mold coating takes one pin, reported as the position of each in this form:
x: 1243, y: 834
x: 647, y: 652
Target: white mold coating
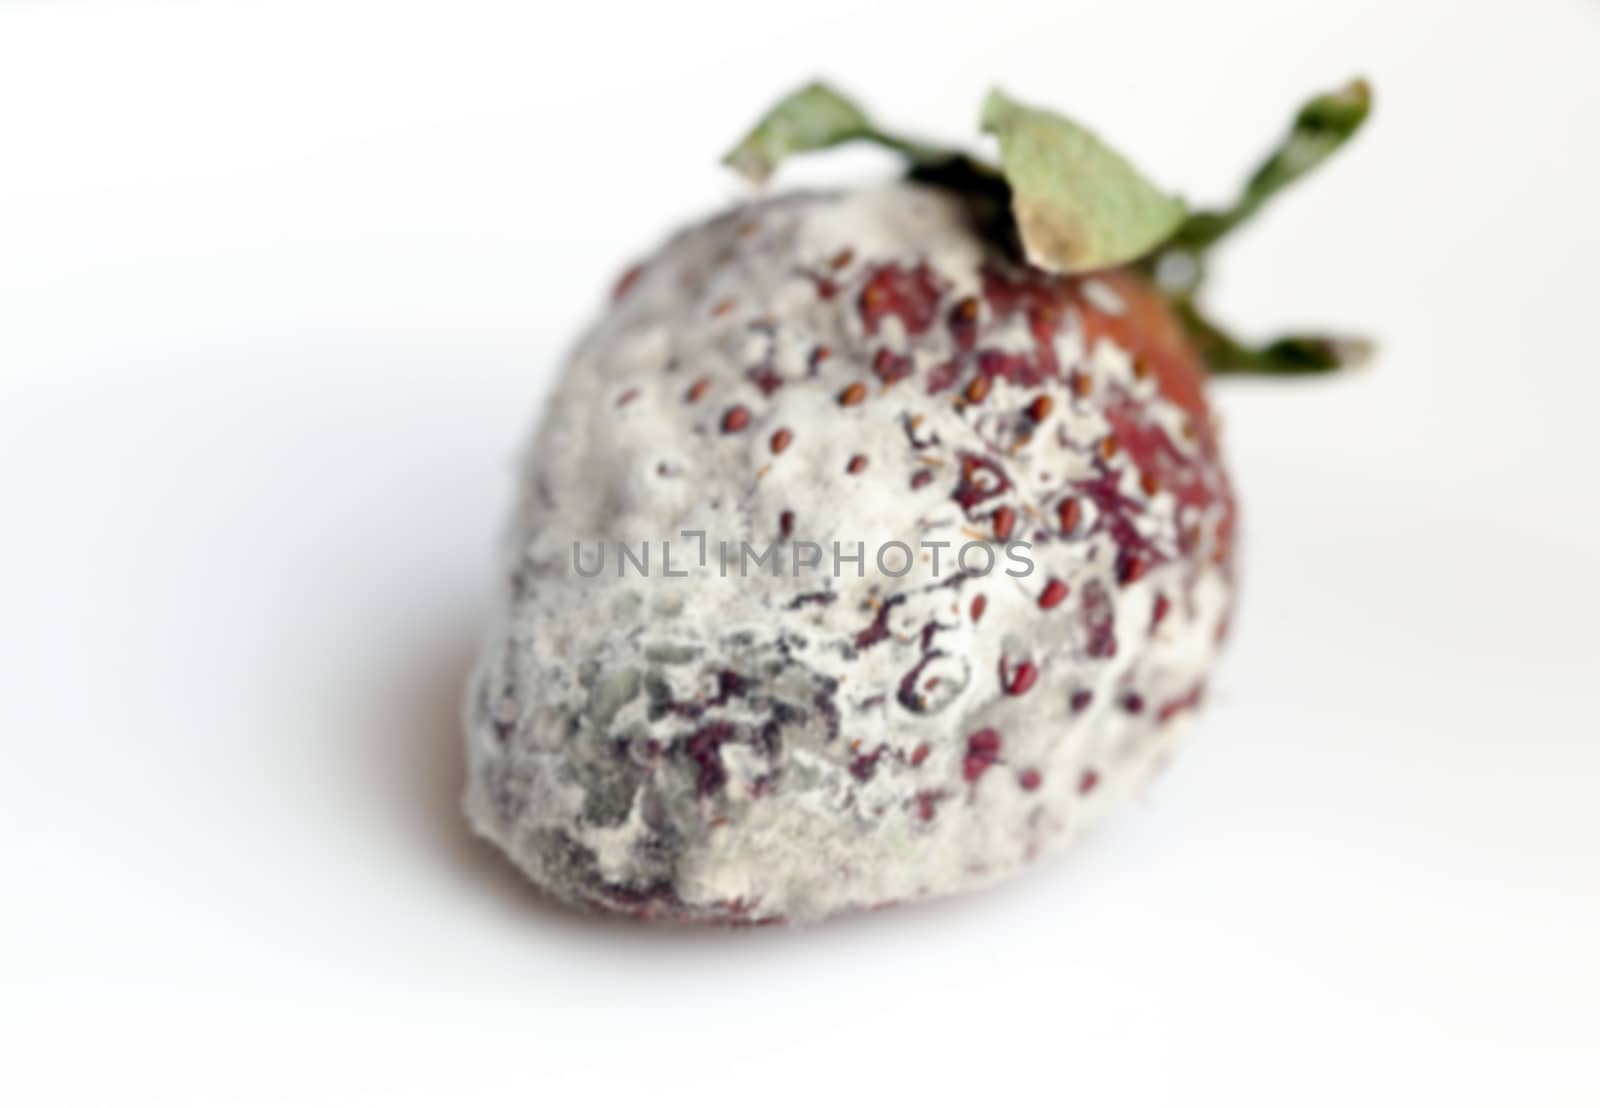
x: 750, y: 746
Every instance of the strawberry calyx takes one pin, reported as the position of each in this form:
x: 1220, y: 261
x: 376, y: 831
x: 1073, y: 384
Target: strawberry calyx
x: 1066, y: 203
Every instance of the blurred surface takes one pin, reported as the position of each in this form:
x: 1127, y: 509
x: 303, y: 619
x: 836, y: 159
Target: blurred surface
x: 281, y: 286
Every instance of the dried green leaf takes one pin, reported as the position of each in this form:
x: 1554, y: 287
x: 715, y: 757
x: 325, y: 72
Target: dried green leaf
x: 1286, y: 355
x: 1079, y: 205
x: 1323, y: 125
x: 815, y: 118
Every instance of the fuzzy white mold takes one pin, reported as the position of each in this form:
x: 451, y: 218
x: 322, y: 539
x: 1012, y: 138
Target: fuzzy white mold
x: 822, y: 376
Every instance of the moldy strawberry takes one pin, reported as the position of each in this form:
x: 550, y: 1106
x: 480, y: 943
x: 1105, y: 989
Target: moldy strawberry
x: 961, y: 423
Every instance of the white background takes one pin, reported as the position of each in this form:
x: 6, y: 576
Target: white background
x: 281, y: 286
